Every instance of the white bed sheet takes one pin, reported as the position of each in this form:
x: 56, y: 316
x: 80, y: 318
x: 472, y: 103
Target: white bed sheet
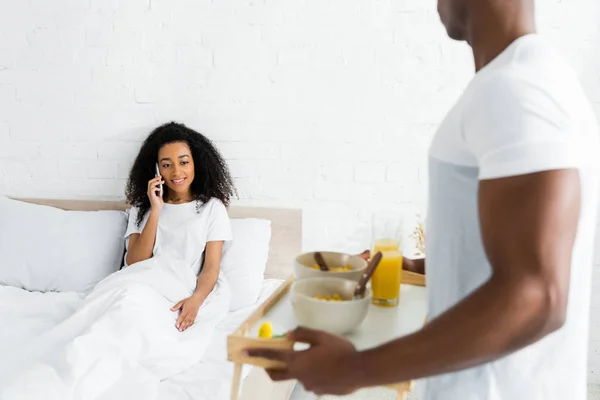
x: 25, y: 315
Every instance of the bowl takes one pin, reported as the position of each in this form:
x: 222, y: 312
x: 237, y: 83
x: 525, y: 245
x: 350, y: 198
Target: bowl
x: 303, y: 267
x: 337, y: 317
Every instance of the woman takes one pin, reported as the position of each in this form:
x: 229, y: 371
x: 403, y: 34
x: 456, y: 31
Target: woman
x: 125, y: 336
x: 188, y: 218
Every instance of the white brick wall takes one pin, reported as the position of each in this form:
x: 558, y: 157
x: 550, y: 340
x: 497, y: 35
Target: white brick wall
x: 324, y: 105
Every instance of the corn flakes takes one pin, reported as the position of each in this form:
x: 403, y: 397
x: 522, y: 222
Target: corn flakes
x: 334, y: 297
x: 335, y: 269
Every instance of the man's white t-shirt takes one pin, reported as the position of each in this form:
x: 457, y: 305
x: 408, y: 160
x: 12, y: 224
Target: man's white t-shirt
x: 524, y: 112
x: 184, y: 229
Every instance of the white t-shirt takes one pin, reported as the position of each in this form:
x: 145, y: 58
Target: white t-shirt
x: 524, y: 112
x: 184, y: 229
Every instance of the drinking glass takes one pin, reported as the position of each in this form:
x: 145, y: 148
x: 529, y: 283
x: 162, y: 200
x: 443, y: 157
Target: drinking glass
x: 387, y: 235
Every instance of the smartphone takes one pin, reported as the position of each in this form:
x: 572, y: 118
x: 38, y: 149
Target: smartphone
x: 160, y: 186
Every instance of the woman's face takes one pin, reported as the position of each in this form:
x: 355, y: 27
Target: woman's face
x: 176, y: 166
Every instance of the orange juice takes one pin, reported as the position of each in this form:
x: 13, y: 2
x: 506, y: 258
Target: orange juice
x: 386, y: 245
x: 385, y: 282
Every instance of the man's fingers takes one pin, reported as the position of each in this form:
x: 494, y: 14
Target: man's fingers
x: 277, y: 375
x: 304, y: 335
x: 271, y: 354
x: 365, y: 255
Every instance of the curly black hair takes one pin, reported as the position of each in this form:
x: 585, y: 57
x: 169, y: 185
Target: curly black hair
x: 212, y: 177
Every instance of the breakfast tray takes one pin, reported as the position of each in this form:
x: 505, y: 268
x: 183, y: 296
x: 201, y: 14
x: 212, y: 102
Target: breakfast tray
x: 398, y: 321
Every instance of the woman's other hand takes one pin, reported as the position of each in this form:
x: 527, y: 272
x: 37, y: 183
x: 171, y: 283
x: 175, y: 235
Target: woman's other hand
x: 156, y: 200
x: 189, y: 309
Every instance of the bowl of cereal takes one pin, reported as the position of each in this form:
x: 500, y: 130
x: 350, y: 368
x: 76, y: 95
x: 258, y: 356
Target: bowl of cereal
x: 340, y: 265
x: 328, y: 304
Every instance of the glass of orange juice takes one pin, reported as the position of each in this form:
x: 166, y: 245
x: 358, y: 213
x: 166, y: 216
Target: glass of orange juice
x: 387, y: 232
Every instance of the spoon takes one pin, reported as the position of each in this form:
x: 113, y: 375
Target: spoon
x: 359, y: 292
x: 321, y: 261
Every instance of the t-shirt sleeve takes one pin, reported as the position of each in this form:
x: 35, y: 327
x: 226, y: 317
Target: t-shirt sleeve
x: 132, y: 226
x: 516, y: 126
x: 219, y: 226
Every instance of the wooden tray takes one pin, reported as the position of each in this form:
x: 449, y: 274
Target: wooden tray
x: 239, y: 341
x: 412, y: 278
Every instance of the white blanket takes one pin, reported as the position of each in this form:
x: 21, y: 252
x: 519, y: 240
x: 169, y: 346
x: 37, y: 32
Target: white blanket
x: 25, y: 316
x: 121, y: 340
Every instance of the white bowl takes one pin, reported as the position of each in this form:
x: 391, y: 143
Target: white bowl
x: 303, y: 267
x: 337, y: 317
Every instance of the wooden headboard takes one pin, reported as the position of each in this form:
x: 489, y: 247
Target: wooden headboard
x: 286, y: 228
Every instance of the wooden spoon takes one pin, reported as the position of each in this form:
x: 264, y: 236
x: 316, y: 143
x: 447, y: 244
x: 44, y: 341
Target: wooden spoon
x: 359, y: 292
x: 321, y: 261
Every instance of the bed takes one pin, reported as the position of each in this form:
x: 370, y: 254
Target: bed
x: 24, y: 314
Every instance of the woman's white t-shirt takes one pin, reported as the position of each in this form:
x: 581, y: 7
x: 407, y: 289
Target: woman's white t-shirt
x: 184, y: 229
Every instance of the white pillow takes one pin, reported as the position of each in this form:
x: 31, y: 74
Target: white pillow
x: 48, y: 249
x: 245, y: 259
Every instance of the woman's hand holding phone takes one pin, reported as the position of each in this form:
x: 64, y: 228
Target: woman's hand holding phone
x: 155, y: 192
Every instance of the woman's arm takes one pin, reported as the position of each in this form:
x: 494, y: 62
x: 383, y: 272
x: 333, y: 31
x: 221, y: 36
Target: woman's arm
x: 204, y: 285
x: 210, y: 270
x: 141, y: 245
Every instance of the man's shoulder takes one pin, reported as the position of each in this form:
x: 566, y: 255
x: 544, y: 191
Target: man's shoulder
x: 521, y: 86
x: 534, y: 69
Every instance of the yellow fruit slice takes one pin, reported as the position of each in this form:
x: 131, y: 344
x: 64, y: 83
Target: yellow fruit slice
x: 265, y: 331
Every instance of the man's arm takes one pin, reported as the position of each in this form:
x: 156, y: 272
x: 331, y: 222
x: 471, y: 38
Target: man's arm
x: 416, y: 265
x: 528, y: 226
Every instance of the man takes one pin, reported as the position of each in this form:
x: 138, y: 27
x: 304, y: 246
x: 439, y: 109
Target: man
x: 512, y: 214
